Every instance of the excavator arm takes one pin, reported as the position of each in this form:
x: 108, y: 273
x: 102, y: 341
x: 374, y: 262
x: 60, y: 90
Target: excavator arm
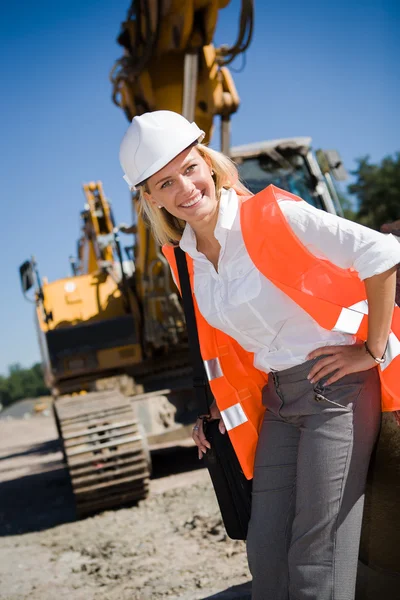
x: 170, y: 63
x: 96, y: 247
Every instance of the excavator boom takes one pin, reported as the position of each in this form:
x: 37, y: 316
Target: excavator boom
x: 170, y: 62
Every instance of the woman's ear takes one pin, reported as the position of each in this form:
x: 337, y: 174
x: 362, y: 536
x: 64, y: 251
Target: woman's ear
x: 209, y: 163
x: 206, y: 159
x: 149, y: 198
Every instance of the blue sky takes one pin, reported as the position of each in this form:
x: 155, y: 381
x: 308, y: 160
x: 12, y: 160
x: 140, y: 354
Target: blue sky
x: 325, y: 70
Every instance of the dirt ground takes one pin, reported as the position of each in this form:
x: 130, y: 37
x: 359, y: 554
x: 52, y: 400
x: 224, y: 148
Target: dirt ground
x: 172, y: 545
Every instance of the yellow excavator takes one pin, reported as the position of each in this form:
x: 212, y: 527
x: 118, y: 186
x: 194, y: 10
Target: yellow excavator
x: 101, y: 344
x: 87, y: 328
x: 112, y: 335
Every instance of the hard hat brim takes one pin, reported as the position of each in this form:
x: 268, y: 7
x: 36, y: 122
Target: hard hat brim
x: 194, y: 135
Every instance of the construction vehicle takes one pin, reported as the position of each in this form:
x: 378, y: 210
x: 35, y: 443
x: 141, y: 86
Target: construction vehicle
x: 94, y: 335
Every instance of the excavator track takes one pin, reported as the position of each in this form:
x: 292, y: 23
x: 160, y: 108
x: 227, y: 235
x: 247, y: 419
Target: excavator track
x: 105, y: 450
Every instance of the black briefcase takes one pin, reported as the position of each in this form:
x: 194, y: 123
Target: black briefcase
x: 231, y: 487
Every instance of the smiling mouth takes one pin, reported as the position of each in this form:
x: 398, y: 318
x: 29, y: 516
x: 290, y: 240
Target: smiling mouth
x: 193, y: 202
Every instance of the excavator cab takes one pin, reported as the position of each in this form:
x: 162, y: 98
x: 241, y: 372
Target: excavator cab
x: 289, y: 164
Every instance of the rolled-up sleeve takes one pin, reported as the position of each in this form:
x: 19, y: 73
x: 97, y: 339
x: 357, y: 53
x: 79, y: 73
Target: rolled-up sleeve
x: 344, y: 243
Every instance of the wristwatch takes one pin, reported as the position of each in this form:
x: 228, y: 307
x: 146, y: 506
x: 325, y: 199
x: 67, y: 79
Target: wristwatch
x: 378, y: 360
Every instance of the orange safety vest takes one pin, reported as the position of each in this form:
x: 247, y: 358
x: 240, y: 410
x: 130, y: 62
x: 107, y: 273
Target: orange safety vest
x: 334, y: 297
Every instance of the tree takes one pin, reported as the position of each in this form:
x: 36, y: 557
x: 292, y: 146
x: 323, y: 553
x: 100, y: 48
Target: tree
x: 5, y: 397
x: 378, y: 191
x: 347, y: 206
x: 22, y: 383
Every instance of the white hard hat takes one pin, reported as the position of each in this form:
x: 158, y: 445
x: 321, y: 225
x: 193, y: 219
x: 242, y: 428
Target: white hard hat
x: 152, y: 141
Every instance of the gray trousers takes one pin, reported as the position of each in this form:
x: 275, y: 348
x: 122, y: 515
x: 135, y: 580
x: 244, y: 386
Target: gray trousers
x: 308, y: 489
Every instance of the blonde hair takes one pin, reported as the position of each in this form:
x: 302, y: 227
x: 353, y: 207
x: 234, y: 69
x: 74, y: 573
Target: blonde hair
x: 168, y: 229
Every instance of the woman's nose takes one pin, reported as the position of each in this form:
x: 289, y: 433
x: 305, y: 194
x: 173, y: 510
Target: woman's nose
x: 187, y: 185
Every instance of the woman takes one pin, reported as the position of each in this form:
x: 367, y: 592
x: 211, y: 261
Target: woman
x: 280, y: 289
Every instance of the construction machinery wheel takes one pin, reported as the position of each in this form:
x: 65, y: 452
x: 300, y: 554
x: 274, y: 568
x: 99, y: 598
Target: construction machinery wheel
x: 105, y: 450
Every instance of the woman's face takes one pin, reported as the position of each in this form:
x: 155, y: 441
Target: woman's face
x: 185, y: 188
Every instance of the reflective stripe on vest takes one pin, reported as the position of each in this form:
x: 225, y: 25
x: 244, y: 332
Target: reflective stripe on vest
x: 213, y: 368
x: 392, y: 350
x: 233, y: 416
x: 350, y: 318
x: 349, y: 321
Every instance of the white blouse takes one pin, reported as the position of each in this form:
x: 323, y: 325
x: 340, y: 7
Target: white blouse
x: 243, y: 303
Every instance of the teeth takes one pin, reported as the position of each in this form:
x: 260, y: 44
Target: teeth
x: 191, y: 203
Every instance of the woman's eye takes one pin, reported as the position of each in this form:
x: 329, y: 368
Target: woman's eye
x: 190, y: 168
x: 166, y: 184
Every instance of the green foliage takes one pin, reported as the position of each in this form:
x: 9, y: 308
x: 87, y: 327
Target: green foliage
x: 377, y: 188
x: 348, y: 208
x: 22, y: 383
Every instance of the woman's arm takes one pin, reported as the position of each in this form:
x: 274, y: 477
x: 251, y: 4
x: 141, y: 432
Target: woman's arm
x: 373, y: 256
x: 198, y: 432
x: 381, y: 291
x: 344, y: 243
x: 342, y: 360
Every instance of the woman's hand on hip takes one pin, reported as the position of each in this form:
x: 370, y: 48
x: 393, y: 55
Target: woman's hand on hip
x: 339, y: 361
x: 198, y: 432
